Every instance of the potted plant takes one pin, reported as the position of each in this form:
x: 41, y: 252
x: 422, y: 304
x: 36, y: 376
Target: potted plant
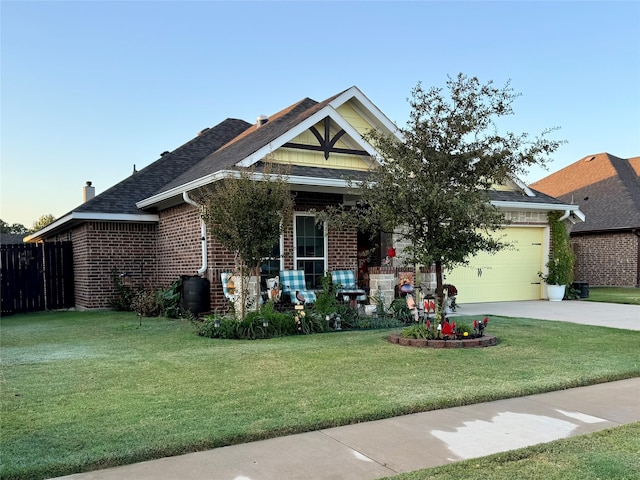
x: 560, y: 266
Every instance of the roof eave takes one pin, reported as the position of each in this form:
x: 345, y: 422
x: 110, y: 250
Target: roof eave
x: 77, y: 217
x: 574, y: 210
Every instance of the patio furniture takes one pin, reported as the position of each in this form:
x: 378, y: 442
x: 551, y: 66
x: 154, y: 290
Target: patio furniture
x: 294, y: 287
x: 344, y: 282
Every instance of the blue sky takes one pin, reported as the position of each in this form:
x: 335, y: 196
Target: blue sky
x: 89, y: 88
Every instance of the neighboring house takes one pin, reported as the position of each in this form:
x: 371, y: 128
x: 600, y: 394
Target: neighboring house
x: 12, y: 238
x: 149, y: 227
x: 607, y: 244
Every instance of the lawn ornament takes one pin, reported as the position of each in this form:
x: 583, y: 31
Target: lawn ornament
x: 300, y: 298
x: 478, y: 327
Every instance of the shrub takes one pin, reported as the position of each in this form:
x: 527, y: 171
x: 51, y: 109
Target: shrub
x: 124, y: 293
x: 165, y: 302
x: 326, y: 301
x: 418, y: 331
x: 147, y: 303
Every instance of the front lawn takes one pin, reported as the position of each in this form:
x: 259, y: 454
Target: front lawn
x: 83, y: 391
x: 628, y: 295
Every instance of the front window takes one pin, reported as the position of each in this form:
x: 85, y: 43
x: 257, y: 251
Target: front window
x: 310, y: 250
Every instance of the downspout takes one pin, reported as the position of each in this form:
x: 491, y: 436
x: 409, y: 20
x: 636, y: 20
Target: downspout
x: 637, y: 234
x: 203, y: 234
x: 567, y: 212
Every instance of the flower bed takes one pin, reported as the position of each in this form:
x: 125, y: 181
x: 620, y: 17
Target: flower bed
x: 484, y: 341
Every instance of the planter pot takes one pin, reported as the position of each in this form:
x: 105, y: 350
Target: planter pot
x: 555, y: 293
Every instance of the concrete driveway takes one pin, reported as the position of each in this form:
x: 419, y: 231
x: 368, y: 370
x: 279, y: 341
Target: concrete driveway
x: 575, y: 311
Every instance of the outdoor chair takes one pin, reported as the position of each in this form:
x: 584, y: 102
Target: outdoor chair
x: 344, y: 281
x: 293, y: 286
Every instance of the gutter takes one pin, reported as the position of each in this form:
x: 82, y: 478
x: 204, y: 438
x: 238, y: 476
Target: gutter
x: 203, y: 234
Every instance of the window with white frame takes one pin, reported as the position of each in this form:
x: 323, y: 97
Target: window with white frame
x: 310, y: 249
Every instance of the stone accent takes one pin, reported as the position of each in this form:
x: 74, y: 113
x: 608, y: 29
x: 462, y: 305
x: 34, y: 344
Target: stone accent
x: 382, y: 281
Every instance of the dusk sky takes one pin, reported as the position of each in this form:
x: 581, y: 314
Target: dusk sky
x: 90, y: 88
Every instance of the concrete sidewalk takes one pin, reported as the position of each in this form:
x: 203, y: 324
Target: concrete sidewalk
x: 575, y: 311
x: 386, y: 447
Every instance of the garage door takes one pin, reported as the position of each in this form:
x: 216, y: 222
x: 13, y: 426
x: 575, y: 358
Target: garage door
x: 511, y: 274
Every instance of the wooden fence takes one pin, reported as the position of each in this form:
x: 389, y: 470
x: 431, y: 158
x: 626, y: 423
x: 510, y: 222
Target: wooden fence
x: 36, y: 277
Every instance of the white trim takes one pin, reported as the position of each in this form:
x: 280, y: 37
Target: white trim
x: 572, y: 209
x: 100, y: 217
x: 373, y: 111
x: 327, y: 111
x: 222, y: 174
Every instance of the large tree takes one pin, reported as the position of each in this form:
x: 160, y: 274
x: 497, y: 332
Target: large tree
x: 432, y: 186
x: 247, y: 213
x: 43, y: 221
x: 16, y: 228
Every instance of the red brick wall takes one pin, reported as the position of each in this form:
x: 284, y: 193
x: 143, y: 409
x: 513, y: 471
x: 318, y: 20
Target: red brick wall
x: 608, y: 259
x: 99, y: 247
x: 180, y: 251
x: 156, y: 255
x: 343, y: 250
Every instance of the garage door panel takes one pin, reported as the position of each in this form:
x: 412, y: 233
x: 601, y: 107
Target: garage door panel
x: 511, y: 274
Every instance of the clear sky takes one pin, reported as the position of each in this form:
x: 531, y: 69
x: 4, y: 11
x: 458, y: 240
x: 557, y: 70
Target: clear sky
x: 90, y: 88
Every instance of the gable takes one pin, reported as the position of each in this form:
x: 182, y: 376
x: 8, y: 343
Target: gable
x: 606, y: 188
x: 307, y: 134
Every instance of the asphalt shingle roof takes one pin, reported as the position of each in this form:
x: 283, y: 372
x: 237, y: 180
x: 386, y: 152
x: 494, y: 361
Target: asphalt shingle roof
x: 250, y: 141
x: 606, y: 188
x: 122, y: 197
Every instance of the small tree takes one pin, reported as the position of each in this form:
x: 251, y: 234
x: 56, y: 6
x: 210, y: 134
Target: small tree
x: 246, y: 214
x: 432, y: 187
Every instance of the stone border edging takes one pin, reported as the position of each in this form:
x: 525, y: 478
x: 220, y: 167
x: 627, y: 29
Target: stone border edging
x: 484, y: 341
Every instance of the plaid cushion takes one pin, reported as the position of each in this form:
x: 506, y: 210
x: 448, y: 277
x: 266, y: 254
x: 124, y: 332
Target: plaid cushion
x: 346, y: 280
x: 292, y: 281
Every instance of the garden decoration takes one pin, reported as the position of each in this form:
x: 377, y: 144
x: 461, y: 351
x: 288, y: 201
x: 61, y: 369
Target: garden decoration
x: 446, y: 334
x: 411, y: 305
x: 273, y: 289
x: 478, y: 327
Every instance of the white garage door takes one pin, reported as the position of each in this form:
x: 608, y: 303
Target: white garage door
x: 511, y: 274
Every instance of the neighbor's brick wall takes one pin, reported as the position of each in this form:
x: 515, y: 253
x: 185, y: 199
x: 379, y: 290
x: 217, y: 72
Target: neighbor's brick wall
x: 609, y: 259
x: 99, y: 247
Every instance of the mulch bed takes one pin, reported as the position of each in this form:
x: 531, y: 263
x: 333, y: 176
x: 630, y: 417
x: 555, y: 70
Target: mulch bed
x: 484, y: 341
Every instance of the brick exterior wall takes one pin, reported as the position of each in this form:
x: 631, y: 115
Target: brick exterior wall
x: 606, y: 259
x: 156, y: 255
x: 99, y: 247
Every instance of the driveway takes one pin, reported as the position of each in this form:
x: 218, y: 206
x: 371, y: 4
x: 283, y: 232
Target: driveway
x: 612, y: 315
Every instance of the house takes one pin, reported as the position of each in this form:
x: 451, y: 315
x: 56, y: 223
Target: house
x: 149, y: 226
x: 607, y: 244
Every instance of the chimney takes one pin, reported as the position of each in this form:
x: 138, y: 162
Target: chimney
x: 88, y: 192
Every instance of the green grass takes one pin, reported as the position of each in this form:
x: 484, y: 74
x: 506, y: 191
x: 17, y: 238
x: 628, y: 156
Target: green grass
x: 628, y: 295
x: 82, y: 391
x: 607, y: 454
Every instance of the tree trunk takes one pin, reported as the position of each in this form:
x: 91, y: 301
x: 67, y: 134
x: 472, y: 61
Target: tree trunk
x: 439, y: 284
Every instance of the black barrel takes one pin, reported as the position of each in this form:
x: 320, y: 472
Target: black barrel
x: 582, y: 288
x: 195, y: 294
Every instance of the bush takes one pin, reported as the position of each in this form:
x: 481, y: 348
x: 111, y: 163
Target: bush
x: 153, y: 303
x: 147, y: 303
x: 124, y: 293
x: 326, y: 301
